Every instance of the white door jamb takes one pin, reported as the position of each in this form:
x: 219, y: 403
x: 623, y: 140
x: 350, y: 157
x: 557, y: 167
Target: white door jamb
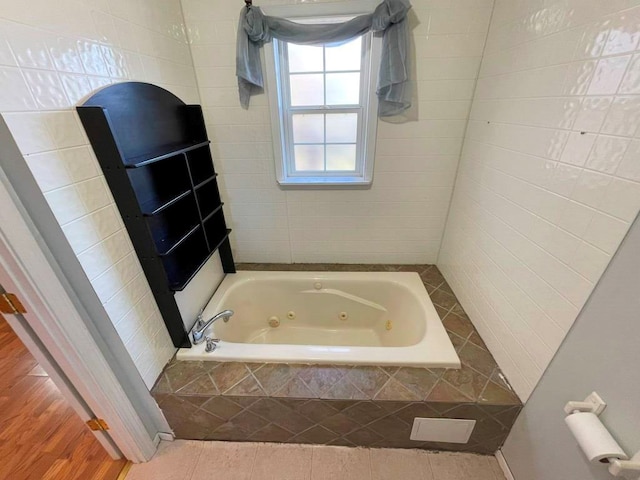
x: 59, y: 326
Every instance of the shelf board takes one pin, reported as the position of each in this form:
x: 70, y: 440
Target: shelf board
x: 172, y: 243
x: 161, y: 153
x: 204, y: 182
x: 191, y: 271
x: 211, y: 214
x: 157, y: 205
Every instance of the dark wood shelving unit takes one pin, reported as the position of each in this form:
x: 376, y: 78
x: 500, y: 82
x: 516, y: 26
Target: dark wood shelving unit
x: 154, y: 152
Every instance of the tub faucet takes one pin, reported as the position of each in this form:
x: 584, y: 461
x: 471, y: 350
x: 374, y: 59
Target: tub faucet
x: 201, y: 326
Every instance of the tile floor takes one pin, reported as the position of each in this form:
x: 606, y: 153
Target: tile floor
x: 196, y: 460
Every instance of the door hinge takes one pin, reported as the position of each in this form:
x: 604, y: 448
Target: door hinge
x: 10, y: 304
x: 97, y: 424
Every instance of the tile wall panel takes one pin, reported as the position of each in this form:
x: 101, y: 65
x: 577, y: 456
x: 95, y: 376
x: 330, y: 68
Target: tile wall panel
x: 549, y: 174
x: 52, y: 55
x: 401, y: 218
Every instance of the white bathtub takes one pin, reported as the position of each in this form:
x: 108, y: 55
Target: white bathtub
x: 327, y: 318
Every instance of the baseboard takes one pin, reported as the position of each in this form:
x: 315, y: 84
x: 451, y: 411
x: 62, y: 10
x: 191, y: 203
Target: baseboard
x: 164, y: 437
x: 503, y: 466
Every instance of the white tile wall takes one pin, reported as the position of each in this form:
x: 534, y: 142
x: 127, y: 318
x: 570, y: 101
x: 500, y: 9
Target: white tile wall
x: 52, y: 55
x: 549, y: 177
x: 401, y: 218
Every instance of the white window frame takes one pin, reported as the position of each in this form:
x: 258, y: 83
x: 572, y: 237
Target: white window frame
x: 366, y: 142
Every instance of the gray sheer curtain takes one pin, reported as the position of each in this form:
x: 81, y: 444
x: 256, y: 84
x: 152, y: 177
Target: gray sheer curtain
x: 394, y: 90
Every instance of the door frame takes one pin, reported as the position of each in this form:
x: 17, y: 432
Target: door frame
x: 62, y: 333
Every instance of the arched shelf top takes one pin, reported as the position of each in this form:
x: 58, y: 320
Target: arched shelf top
x: 148, y: 122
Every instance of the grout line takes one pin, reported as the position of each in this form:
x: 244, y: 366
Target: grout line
x: 197, y: 460
x: 384, y: 384
x: 253, y: 463
x: 565, y: 129
x: 238, y: 382
x: 428, y: 457
x: 289, y: 232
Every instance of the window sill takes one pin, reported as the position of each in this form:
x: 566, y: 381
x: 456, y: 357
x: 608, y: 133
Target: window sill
x: 318, y: 182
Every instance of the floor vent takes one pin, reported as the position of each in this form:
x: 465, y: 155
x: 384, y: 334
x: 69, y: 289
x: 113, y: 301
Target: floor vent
x: 448, y: 430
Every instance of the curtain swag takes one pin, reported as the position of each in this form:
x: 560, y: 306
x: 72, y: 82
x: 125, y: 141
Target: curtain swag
x: 394, y: 90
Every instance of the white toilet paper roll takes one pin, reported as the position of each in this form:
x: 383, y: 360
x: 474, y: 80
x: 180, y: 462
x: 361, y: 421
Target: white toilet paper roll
x: 593, y: 437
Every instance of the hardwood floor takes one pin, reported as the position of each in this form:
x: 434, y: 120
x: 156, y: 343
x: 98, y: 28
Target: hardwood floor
x: 41, y: 437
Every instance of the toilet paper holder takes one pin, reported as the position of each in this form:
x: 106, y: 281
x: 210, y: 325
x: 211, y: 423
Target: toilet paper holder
x: 629, y: 469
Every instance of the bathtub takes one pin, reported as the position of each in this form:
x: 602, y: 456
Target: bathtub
x: 326, y: 318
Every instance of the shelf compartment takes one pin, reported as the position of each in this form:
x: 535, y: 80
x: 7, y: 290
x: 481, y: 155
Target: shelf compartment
x: 213, y: 213
x: 163, y: 152
x: 174, y: 225
x: 158, y: 204
x: 208, y: 198
x: 204, y: 182
x: 159, y: 185
x: 200, y: 165
x: 184, y: 262
x: 220, y: 238
x: 215, y: 229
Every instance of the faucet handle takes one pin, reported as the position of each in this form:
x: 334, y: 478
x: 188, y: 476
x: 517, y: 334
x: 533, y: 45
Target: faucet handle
x: 199, y: 319
x: 211, y: 345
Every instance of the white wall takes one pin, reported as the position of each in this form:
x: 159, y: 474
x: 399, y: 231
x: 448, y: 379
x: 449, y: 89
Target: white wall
x: 52, y: 54
x: 591, y: 358
x: 401, y: 219
x: 549, y: 177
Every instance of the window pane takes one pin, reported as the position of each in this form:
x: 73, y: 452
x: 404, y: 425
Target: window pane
x: 303, y: 58
x: 309, y: 157
x: 308, y: 128
x: 307, y: 90
x: 343, y: 88
x: 342, y: 128
x: 347, y: 56
x: 341, y: 157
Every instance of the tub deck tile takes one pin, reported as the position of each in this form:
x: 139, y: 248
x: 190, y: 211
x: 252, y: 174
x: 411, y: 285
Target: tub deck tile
x: 394, y: 390
x: 344, y: 405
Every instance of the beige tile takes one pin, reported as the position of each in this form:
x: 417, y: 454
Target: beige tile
x: 225, y: 460
x: 282, y: 462
x: 340, y: 463
x: 173, y: 461
x: 389, y: 463
x: 461, y: 466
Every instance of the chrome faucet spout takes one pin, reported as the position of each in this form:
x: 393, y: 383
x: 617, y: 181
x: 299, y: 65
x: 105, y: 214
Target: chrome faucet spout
x: 201, y: 326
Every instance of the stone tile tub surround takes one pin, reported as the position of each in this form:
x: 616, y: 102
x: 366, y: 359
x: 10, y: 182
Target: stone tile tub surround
x: 344, y: 405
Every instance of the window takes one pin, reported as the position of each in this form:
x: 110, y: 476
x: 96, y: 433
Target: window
x: 324, y: 111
